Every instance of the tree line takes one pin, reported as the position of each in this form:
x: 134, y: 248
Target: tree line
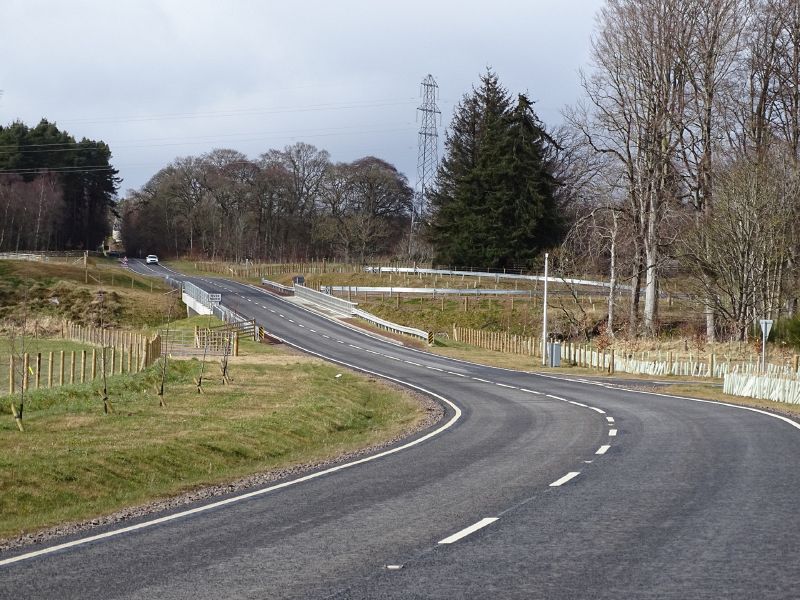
x: 56, y: 193
x: 684, y: 157
x: 286, y: 204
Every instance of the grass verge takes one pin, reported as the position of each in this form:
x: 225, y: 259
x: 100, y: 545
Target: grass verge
x: 73, y: 463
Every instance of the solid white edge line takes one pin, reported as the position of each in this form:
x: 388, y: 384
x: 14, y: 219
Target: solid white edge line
x: 565, y: 479
x: 595, y: 409
x: 79, y: 542
x: 577, y: 403
x: 603, y: 449
x: 468, y: 530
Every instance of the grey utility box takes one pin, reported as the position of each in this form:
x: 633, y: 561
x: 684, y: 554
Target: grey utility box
x: 554, y: 354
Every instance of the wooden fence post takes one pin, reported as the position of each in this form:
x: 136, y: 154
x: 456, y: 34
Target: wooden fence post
x: 38, y: 370
x: 25, y: 367
x: 61, y: 368
x: 50, y: 370
x: 72, y: 367
x: 83, y: 366
x: 11, y: 374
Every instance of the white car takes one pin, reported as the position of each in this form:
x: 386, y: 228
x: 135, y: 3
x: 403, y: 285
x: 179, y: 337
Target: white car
x: 151, y: 259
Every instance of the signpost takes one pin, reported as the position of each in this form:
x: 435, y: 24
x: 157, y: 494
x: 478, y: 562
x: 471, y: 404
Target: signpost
x: 766, y: 325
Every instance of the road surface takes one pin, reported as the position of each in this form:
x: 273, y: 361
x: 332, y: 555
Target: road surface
x: 530, y: 487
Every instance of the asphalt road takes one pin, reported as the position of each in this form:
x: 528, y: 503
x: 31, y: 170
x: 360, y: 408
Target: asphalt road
x: 597, y: 493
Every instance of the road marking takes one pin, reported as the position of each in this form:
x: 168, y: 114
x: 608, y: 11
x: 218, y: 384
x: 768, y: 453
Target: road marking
x: 481, y: 380
x: 411, y: 362
x: 312, y: 330
x: 468, y: 530
x: 577, y: 403
x: 272, y: 310
x: 505, y: 385
x: 339, y: 342
x: 327, y: 337
x: 603, y: 449
x: 595, y: 409
x: 281, y: 316
x: 291, y: 320
x: 301, y: 325
x: 394, y: 567
x: 610, y: 419
x: 456, y: 374
x: 530, y: 391
x: 260, y: 492
x: 612, y: 432
x: 565, y: 478
x: 556, y: 397
x: 435, y: 369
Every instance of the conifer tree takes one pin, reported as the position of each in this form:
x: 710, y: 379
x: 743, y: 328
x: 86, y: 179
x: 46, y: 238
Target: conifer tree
x: 493, y: 202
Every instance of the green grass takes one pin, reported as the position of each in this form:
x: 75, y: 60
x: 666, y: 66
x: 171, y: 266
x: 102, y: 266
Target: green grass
x: 73, y: 462
x: 33, y: 346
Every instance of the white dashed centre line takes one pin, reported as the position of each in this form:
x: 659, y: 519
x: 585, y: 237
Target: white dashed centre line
x: 603, y: 449
x: 565, y: 479
x: 435, y: 369
x: 468, y: 530
x: 411, y: 362
x: 612, y: 432
x: 610, y: 419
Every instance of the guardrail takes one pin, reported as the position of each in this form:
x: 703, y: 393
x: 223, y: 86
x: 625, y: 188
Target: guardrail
x: 422, y: 291
x: 207, y: 299
x: 495, y: 276
x: 392, y: 327
x: 280, y: 289
x: 325, y: 300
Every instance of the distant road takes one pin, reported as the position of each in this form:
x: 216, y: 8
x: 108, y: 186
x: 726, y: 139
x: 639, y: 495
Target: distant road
x: 542, y: 487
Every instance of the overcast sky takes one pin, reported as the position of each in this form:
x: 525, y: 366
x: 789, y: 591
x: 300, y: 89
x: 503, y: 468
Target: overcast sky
x: 161, y: 79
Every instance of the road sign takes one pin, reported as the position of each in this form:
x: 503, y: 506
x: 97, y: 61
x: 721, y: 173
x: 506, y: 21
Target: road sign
x: 766, y: 326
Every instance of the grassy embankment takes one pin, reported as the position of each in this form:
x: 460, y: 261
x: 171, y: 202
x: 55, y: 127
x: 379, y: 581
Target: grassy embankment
x: 281, y: 409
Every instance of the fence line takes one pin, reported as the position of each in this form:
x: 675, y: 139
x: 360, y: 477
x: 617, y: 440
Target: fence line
x: 80, y: 366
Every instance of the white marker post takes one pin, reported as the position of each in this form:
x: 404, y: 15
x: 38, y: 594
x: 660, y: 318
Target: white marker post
x: 766, y: 326
x: 544, y: 311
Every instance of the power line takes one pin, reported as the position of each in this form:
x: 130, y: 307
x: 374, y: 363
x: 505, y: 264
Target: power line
x: 207, y: 139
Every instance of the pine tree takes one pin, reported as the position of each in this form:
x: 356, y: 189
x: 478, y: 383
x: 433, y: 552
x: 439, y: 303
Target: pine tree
x: 493, y: 203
